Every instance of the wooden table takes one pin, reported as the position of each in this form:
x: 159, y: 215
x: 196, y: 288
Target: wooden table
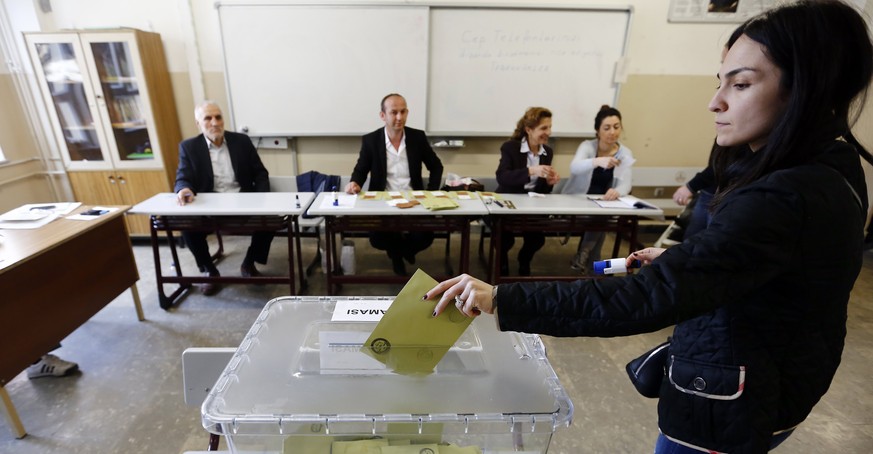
x: 376, y: 215
x: 52, y: 280
x: 235, y: 213
x: 559, y: 213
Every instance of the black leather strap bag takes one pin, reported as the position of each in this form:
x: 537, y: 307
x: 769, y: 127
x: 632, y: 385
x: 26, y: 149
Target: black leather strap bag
x: 648, y: 371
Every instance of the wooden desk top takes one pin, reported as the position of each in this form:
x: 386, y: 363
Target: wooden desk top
x: 19, y: 246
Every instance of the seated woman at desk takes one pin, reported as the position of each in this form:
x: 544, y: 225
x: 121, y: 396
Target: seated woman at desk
x: 602, y: 166
x: 526, y: 165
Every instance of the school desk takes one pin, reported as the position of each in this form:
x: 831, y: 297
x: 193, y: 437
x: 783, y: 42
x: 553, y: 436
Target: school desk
x: 375, y: 214
x: 571, y: 214
x: 232, y: 213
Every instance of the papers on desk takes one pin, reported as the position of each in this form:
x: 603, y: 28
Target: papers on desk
x: 340, y: 202
x: 35, y: 215
x: 622, y: 202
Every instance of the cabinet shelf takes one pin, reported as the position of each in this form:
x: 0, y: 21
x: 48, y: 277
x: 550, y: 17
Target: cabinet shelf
x: 117, y: 80
x: 141, y: 156
x: 114, y: 114
x: 65, y: 81
x: 130, y: 125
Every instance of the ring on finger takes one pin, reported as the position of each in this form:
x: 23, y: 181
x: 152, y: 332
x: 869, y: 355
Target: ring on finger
x: 459, y: 302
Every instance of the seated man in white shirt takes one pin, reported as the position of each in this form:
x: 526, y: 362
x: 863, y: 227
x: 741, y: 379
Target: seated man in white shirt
x: 393, y: 157
x: 220, y: 161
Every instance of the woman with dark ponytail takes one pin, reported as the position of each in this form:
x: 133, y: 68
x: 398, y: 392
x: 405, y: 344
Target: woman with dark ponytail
x: 602, y: 166
x: 759, y: 298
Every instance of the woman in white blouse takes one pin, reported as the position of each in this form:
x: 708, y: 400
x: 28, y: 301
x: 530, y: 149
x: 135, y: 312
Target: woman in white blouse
x: 602, y: 166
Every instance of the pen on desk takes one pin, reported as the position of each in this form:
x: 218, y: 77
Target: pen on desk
x: 297, y: 199
x: 335, y: 197
x: 498, y: 203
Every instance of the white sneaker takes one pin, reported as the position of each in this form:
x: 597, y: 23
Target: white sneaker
x: 51, y: 366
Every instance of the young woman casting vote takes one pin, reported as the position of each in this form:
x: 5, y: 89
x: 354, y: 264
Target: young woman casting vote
x: 759, y: 298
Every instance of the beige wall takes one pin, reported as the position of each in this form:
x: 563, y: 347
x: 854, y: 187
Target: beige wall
x: 670, y: 80
x: 665, y: 119
x: 22, y: 178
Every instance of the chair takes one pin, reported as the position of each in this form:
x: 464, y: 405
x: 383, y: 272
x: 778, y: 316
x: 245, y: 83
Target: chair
x: 484, y: 229
x: 310, y: 226
x: 201, y: 368
x: 675, y: 232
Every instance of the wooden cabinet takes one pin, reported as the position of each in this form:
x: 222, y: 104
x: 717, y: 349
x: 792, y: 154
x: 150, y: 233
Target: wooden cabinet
x: 119, y: 188
x: 111, y: 106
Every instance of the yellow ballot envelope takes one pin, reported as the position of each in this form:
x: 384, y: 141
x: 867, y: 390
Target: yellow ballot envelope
x: 409, y: 339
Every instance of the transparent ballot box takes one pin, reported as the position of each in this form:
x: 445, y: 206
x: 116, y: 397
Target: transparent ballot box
x: 299, y: 383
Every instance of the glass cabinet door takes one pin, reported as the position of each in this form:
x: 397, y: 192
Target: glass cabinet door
x: 65, y: 84
x: 124, y: 102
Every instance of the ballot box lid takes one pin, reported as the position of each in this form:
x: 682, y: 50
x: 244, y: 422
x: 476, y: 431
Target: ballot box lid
x: 297, y: 371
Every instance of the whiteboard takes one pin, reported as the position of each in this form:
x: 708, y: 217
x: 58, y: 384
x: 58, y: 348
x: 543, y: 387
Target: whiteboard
x: 296, y: 70
x: 489, y: 65
x: 307, y: 69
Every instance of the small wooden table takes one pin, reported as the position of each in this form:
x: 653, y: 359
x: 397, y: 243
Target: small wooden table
x: 52, y: 280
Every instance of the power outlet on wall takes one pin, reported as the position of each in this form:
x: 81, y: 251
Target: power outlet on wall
x: 273, y: 142
x: 659, y: 192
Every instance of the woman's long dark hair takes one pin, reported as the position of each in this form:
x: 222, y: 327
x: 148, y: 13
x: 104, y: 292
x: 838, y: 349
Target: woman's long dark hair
x: 824, y: 52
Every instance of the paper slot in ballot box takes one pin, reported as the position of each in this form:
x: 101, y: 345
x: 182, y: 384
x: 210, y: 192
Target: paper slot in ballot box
x: 298, y: 383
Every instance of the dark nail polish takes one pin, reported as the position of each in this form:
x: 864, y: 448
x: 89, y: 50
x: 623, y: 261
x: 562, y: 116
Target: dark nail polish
x: 434, y: 313
x: 424, y: 297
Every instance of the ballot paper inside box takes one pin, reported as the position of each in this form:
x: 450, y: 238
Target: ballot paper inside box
x: 298, y: 383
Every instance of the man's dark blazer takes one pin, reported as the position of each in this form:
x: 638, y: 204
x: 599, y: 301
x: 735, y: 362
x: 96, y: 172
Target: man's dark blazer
x: 195, y: 167
x: 512, y: 171
x: 373, y: 160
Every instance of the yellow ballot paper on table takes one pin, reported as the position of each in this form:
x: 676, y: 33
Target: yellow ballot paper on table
x: 409, y: 339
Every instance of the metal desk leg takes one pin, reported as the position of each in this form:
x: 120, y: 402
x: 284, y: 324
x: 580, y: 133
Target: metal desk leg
x: 213, y: 442
x: 11, y: 414
x: 289, y: 232
x: 302, y: 271
x: 496, y: 240
x: 166, y: 301
x: 329, y: 241
x: 464, y: 266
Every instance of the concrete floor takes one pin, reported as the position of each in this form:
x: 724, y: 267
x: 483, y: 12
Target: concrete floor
x: 128, y: 396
